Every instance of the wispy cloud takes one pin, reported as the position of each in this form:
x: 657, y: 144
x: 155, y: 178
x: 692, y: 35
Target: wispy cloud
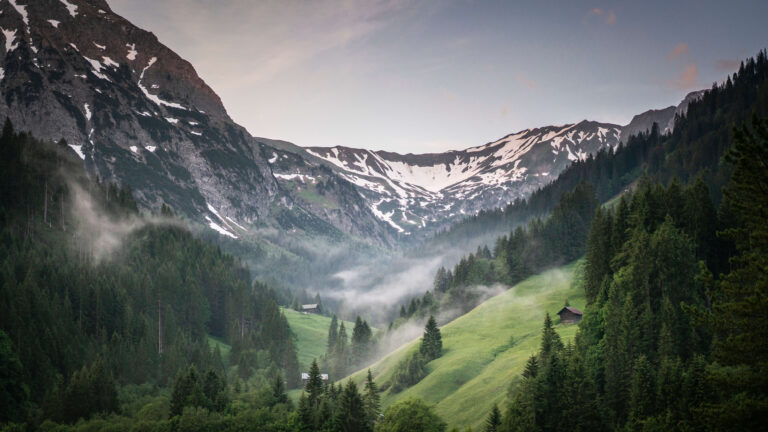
x: 688, y: 78
x: 523, y: 79
x: 681, y: 50
x: 608, y: 15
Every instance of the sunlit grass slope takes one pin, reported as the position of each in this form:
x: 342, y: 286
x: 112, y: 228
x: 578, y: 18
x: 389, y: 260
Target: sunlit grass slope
x: 311, y: 333
x: 485, y: 349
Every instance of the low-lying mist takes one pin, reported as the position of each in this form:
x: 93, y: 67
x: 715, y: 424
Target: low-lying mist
x: 99, y: 235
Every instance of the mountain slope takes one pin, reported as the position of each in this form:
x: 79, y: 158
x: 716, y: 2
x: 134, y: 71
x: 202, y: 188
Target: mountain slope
x: 139, y: 114
x: 664, y: 117
x: 484, y: 350
x: 411, y: 192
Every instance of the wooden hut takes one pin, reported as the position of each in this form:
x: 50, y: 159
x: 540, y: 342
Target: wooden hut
x: 569, y: 315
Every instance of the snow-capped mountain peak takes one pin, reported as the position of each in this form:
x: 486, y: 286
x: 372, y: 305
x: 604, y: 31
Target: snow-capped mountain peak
x: 411, y: 191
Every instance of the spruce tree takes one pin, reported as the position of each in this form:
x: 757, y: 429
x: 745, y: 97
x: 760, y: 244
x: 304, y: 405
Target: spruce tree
x: 432, y: 343
x: 531, y: 368
x: 305, y: 414
x: 314, y: 386
x: 361, y: 338
x: 350, y: 411
x: 371, y: 400
x: 340, y: 358
x: 550, y: 340
x: 493, y: 422
x: 333, y: 333
x: 278, y: 389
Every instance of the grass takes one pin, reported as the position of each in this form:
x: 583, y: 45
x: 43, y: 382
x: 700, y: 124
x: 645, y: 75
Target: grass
x: 310, y: 335
x: 484, y: 350
x: 224, y: 348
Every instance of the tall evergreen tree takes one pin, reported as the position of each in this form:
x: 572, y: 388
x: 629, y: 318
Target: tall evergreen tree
x: 350, y: 412
x: 493, y: 421
x: 314, y: 386
x: 432, y: 342
x: 333, y: 333
x: 371, y: 400
x: 361, y: 340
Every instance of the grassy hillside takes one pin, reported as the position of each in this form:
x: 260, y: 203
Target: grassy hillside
x: 311, y: 335
x: 484, y: 350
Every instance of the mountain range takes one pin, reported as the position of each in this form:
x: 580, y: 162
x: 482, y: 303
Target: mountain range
x: 137, y: 113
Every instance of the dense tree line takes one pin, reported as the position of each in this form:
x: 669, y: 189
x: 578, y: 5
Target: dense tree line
x: 328, y: 407
x: 671, y: 337
x: 80, y: 321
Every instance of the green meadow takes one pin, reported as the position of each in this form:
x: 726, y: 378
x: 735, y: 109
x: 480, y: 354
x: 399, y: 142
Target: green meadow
x: 310, y: 335
x: 485, y: 349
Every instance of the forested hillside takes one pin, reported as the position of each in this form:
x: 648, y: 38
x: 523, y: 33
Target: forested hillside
x: 671, y: 337
x: 97, y: 299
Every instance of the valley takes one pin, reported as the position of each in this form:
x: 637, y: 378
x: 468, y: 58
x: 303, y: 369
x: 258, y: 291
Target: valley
x: 163, y: 267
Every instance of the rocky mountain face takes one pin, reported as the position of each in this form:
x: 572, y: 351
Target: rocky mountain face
x: 665, y: 117
x: 414, y: 192
x: 139, y: 114
x: 422, y: 193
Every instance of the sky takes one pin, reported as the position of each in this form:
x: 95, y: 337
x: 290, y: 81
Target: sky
x: 430, y: 76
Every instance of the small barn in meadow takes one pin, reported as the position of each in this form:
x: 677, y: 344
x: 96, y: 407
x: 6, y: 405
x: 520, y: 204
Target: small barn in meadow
x: 310, y: 308
x: 569, y: 315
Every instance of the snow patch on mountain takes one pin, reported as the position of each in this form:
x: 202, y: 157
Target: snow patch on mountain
x: 71, y: 8
x: 22, y: 10
x: 409, y: 191
x: 79, y: 150
x: 132, y: 53
x: 10, y: 39
x: 152, y: 97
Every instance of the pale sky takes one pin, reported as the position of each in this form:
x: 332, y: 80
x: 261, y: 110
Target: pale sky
x: 429, y: 76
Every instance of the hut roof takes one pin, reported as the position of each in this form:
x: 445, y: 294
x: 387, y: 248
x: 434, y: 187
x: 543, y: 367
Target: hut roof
x: 572, y: 310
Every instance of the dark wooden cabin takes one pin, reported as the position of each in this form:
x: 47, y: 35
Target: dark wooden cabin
x: 569, y: 315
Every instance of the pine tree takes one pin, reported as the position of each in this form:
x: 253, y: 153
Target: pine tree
x: 350, y: 412
x: 371, y: 400
x: 531, y: 368
x: 361, y: 338
x: 340, y: 358
x: 314, y: 386
x: 432, y: 343
x: 550, y: 340
x: 493, y: 422
x: 278, y: 389
x: 333, y: 334
x: 305, y: 414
